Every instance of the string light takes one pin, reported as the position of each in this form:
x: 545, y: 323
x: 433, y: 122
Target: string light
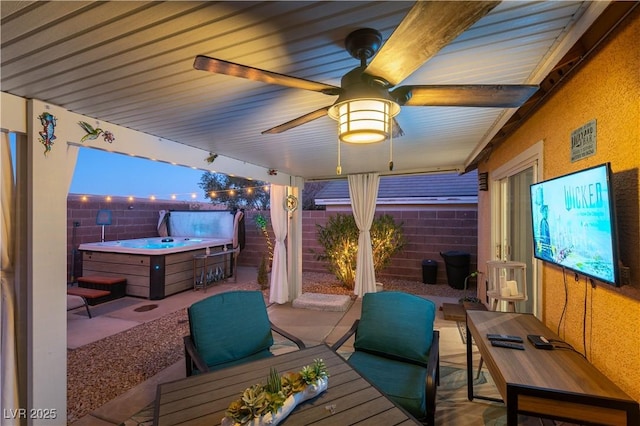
x: 191, y: 195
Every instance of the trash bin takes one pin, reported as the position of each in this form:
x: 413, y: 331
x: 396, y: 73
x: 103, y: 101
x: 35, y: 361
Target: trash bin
x: 429, y: 271
x: 457, y: 265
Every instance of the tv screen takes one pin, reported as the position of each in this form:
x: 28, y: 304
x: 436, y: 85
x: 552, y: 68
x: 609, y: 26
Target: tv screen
x: 574, y: 223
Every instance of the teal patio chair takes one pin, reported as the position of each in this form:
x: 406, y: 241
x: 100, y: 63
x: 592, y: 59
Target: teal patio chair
x: 397, y: 349
x: 229, y: 329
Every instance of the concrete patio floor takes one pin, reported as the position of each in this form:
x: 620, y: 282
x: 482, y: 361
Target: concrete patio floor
x: 312, y: 326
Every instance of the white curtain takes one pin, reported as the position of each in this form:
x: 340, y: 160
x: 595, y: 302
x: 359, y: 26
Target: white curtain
x: 8, y: 360
x: 363, y: 190
x: 279, y: 221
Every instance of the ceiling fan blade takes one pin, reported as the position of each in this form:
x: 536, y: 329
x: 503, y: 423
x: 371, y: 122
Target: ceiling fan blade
x: 428, y: 27
x: 219, y: 66
x: 472, y: 95
x: 314, y: 115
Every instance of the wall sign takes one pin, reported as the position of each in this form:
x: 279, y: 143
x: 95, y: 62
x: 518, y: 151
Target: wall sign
x: 583, y: 141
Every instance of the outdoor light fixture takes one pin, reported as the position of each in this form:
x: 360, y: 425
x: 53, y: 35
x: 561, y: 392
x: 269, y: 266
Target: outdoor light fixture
x: 364, y: 111
x: 364, y: 120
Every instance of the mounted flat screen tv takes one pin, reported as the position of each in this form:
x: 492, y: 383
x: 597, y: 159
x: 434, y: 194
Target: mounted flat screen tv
x: 574, y: 223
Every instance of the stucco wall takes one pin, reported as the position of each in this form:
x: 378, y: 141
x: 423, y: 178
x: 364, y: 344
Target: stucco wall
x: 606, y: 88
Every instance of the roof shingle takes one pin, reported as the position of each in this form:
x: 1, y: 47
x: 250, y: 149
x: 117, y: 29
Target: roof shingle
x: 411, y: 186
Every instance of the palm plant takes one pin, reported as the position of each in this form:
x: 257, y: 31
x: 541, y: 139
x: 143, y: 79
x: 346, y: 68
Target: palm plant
x: 261, y: 222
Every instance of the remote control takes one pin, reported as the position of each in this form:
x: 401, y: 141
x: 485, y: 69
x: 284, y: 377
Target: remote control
x: 540, y: 342
x: 510, y: 345
x: 505, y: 337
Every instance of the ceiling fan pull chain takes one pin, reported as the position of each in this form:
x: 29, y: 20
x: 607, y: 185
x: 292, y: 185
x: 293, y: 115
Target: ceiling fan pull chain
x: 339, y: 168
x: 390, y: 145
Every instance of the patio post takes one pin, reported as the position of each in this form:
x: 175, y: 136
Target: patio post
x: 294, y: 242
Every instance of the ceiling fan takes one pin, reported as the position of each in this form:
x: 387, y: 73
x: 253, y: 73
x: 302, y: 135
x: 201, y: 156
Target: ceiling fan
x: 427, y: 28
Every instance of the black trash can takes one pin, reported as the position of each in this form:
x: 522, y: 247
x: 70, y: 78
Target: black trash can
x: 457, y: 265
x: 429, y: 271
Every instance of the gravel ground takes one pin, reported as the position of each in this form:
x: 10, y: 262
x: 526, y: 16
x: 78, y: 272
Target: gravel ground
x: 100, y: 371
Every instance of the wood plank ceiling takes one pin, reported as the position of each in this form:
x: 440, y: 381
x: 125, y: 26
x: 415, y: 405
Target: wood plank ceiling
x: 131, y: 64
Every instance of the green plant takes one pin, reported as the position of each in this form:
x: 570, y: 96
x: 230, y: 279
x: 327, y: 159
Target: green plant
x: 387, y: 239
x: 275, y: 395
x: 274, y: 382
x: 339, y: 238
x: 315, y: 371
x: 292, y: 383
x: 254, y: 401
x: 258, y: 400
x: 261, y: 222
x: 263, y: 278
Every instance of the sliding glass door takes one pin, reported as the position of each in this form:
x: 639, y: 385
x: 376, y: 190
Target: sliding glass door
x: 512, y: 230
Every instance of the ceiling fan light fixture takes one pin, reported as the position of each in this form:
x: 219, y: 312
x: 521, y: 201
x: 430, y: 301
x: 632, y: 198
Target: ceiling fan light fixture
x: 364, y: 120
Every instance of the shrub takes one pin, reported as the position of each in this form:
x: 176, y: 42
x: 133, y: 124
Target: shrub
x: 263, y: 277
x: 339, y: 238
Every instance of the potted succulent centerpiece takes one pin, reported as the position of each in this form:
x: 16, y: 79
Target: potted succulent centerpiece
x: 271, y: 403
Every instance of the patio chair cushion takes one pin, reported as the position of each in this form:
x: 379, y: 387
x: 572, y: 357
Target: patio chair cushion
x: 402, y: 382
x: 388, y: 326
x: 229, y: 327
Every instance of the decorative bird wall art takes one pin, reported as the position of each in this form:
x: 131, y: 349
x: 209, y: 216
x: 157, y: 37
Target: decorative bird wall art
x: 94, y: 133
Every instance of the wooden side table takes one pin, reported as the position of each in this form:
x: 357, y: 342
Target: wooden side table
x: 458, y: 312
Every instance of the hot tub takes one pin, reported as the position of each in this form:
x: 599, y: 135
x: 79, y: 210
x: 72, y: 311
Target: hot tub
x: 154, y: 267
x: 155, y: 246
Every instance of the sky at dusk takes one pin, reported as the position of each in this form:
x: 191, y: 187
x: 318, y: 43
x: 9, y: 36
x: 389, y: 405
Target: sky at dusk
x: 104, y: 173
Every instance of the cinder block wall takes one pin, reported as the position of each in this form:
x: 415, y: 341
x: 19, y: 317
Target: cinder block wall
x: 130, y: 219
x: 428, y: 231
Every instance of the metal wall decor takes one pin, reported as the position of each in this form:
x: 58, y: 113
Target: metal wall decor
x: 93, y: 133
x: 47, y: 135
x: 291, y: 203
x: 211, y: 158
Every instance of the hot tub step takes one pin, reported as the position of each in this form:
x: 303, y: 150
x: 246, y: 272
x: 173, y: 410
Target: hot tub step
x: 116, y: 286
x: 92, y: 296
